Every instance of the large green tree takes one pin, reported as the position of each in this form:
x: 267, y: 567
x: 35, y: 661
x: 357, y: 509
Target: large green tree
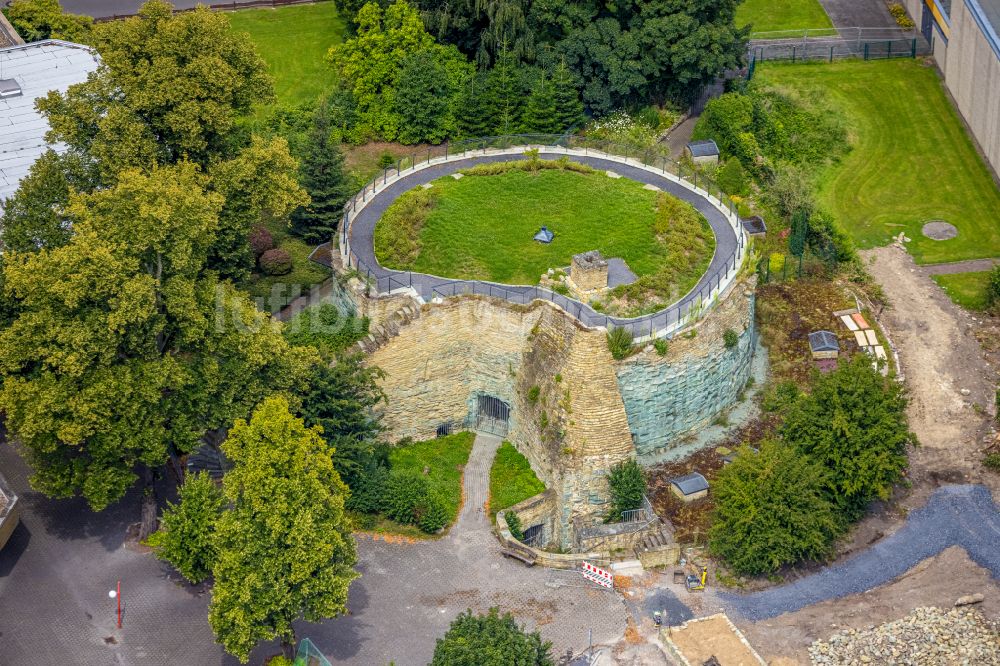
x: 854, y: 424
x: 125, y: 348
x: 490, y: 640
x: 322, y: 175
x: 285, y: 549
x: 422, y: 100
x: 36, y: 20
x: 772, y: 509
x: 540, y: 110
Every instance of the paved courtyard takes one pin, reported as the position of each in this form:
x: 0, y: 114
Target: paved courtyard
x: 62, y: 560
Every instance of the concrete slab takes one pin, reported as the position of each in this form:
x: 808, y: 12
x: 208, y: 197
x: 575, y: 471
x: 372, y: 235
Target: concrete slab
x: 859, y: 337
x: 848, y: 322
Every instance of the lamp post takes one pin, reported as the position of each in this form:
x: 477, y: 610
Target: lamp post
x: 117, y: 594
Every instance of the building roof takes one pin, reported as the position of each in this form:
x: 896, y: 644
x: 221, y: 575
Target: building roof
x: 544, y: 235
x: 823, y: 341
x: 37, y: 68
x: 703, y: 148
x: 690, y: 484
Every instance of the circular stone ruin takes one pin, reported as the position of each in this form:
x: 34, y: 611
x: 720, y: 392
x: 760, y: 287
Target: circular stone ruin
x: 939, y: 230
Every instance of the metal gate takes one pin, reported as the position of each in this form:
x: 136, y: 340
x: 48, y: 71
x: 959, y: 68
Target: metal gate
x: 492, y: 415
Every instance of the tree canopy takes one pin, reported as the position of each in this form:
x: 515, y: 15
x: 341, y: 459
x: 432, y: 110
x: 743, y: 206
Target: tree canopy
x: 186, y: 538
x: 36, y: 20
x: 285, y: 549
x: 490, y: 640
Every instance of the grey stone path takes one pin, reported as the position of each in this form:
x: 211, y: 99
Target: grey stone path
x: 859, y: 14
x: 109, y: 8
x: 970, y: 266
x: 363, y: 229
x: 954, y: 515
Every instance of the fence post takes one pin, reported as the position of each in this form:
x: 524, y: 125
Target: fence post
x: 888, y: 49
x: 913, y: 48
x: 831, y: 53
x: 866, y: 50
x: 793, y: 54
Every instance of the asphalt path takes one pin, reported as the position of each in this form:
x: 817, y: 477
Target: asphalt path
x: 363, y: 228
x: 109, y: 8
x: 954, y: 516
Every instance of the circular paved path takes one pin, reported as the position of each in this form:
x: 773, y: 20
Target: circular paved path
x: 363, y: 229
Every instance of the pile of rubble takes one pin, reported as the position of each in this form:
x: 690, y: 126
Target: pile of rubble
x: 925, y: 636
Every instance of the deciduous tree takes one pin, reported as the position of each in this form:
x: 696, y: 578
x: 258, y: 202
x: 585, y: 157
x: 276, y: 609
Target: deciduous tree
x: 186, y: 538
x: 490, y: 640
x: 36, y: 20
x: 285, y: 549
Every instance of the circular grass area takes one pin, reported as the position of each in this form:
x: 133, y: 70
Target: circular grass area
x: 481, y: 227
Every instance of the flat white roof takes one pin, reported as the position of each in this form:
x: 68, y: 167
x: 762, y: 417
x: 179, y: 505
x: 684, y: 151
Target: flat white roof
x: 37, y: 68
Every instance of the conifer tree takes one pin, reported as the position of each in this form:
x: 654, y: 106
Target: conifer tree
x: 505, y: 95
x: 322, y: 175
x: 569, y: 108
x: 540, y: 110
x: 473, y: 111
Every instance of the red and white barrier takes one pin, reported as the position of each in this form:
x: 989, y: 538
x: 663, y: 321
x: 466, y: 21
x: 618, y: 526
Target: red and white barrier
x: 598, y: 575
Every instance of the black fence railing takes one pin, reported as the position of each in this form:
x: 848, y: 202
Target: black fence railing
x: 664, y: 321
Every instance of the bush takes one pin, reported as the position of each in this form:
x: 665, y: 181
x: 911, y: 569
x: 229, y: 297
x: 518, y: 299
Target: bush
x: 369, y: 490
x: 187, y: 529
x: 619, y: 342
x: 780, y: 397
x: 260, y: 240
x: 404, y: 491
x: 490, y: 640
x: 627, y: 484
x: 993, y: 294
x: 732, y: 178
x: 514, y: 525
x: 431, y: 513
x: 903, y: 19
x: 533, y: 394
x: 661, y: 345
x: 730, y: 338
x: 776, y: 262
x: 992, y: 461
x: 771, y: 509
x: 276, y: 262
x: 325, y: 328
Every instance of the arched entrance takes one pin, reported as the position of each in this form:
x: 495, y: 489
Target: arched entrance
x: 492, y: 415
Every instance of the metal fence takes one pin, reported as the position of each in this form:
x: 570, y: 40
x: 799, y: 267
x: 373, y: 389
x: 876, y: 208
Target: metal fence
x: 833, y: 44
x: 221, y: 6
x: 662, y: 322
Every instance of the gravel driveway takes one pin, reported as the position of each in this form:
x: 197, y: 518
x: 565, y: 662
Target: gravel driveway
x: 955, y: 515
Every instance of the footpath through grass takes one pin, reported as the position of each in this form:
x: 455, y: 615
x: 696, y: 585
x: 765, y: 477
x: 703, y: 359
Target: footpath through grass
x: 511, y: 479
x: 966, y: 289
x: 771, y: 15
x: 444, y: 458
x: 293, y: 41
x: 912, y: 161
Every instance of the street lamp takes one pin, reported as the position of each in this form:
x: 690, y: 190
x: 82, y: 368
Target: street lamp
x: 117, y: 594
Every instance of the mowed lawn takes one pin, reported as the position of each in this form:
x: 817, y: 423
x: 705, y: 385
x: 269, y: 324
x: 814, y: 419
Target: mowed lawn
x: 293, y: 41
x: 444, y: 460
x: 481, y: 227
x: 966, y: 289
x: 511, y: 479
x: 911, y: 161
x: 771, y: 15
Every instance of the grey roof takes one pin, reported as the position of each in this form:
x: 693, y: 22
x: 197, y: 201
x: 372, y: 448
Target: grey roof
x: 703, y: 148
x: 823, y: 341
x: 544, y: 235
x: 690, y: 484
x: 37, y: 68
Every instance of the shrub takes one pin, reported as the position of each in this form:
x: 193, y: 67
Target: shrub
x: 386, y: 160
x: 325, y: 328
x: 276, y: 262
x: 853, y: 423
x: 732, y: 178
x: 661, y: 345
x: 404, y: 491
x: 627, y: 485
x: 771, y: 509
x: 514, y: 525
x: 397, y: 239
x: 992, y: 461
x: 533, y: 393
x: 431, y: 513
x: 260, y: 240
x: 903, y: 19
x: 780, y: 397
x: 993, y: 296
x: 187, y: 530
x: 369, y: 490
x: 619, y: 342
x: 776, y: 262
x: 730, y: 338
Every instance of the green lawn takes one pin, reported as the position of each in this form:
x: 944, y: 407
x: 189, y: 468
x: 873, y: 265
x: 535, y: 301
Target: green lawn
x: 293, y: 41
x: 771, y: 15
x: 511, y: 479
x: 966, y: 289
x: 911, y: 162
x: 445, y: 457
x: 481, y: 227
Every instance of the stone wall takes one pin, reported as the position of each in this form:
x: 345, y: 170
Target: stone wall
x: 669, y: 397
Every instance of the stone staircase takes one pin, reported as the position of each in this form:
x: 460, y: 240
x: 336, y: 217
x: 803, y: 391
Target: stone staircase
x: 658, y: 548
x: 379, y: 334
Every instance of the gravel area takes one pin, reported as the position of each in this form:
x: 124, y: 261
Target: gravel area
x: 954, y: 515
x: 925, y: 636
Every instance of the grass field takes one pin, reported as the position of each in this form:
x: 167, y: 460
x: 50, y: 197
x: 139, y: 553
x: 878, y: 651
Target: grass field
x: 445, y: 457
x: 293, y: 41
x: 911, y: 162
x: 511, y: 479
x: 481, y: 227
x: 966, y: 289
x: 770, y: 15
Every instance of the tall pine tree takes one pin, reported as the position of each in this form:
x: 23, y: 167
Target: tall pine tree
x: 473, y: 109
x: 569, y: 108
x: 322, y: 174
x: 540, y: 110
x: 506, y: 95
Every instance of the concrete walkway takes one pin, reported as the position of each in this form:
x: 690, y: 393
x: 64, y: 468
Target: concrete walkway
x: 970, y: 266
x: 954, y: 516
x: 859, y: 14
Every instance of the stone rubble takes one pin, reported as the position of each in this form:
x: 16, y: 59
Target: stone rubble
x: 925, y: 637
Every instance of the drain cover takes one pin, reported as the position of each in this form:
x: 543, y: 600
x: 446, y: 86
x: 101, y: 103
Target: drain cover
x: 939, y: 230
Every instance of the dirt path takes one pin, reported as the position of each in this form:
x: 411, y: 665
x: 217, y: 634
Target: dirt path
x: 970, y: 266
x: 951, y: 383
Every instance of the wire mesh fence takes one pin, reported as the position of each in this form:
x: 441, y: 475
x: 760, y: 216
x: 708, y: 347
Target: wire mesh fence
x: 385, y: 281
x: 835, y: 44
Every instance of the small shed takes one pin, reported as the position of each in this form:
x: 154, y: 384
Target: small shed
x: 754, y: 226
x: 703, y: 152
x: 690, y: 486
x: 544, y: 235
x: 823, y: 344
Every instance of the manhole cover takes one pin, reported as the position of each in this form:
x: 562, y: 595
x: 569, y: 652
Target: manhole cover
x: 939, y: 230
